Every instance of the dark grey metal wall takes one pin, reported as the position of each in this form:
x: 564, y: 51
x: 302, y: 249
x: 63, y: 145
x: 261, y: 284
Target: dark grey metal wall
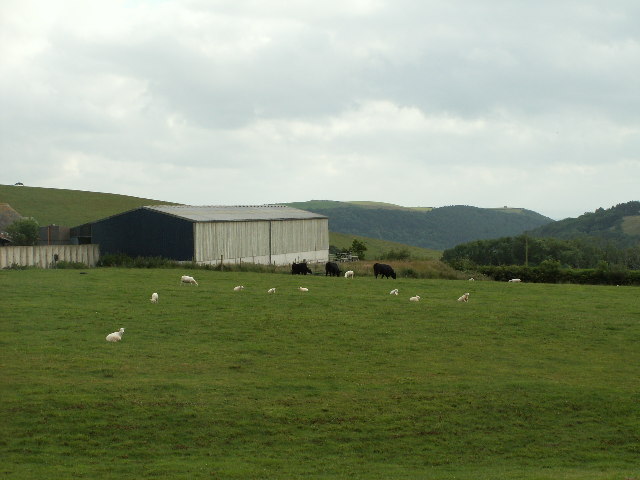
x: 145, y: 233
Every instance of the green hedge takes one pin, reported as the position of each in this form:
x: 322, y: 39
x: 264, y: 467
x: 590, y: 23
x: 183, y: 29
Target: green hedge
x: 554, y: 274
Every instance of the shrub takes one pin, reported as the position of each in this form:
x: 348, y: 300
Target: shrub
x: 70, y: 265
x: 24, y: 231
x: 401, y: 254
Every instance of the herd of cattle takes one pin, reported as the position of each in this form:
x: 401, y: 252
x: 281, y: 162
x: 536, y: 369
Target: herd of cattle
x: 333, y: 270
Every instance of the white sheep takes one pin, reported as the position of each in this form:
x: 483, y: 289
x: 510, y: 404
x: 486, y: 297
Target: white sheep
x: 154, y: 297
x: 238, y: 288
x: 472, y: 279
x: 115, y: 336
x: 415, y: 299
x: 515, y: 280
x: 348, y: 274
x: 394, y: 292
x: 271, y: 290
x: 464, y: 297
x: 303, y: 289
x: 187, y: 279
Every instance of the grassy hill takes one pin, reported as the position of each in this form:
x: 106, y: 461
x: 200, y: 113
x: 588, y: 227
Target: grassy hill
x: 433, y: 228
x: 376, y: 248
x: 68, y: 207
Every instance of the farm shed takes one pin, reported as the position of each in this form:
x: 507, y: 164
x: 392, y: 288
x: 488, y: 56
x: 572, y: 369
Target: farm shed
x: 265, y: 234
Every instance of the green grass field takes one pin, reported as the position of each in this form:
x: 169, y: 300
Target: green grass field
x: 526, y: 381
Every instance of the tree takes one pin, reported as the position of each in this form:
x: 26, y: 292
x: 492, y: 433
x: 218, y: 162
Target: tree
x: 358, y: 248
x: 24, y: 231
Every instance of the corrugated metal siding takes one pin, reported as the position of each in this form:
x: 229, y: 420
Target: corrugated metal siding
x: 230, y: 240
x: 299, y: 236
x: 246, y: 240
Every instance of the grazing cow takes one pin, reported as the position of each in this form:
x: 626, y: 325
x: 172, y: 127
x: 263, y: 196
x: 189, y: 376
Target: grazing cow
x: 332, y: 269
x: 383, y: 270
x: 300, y: 268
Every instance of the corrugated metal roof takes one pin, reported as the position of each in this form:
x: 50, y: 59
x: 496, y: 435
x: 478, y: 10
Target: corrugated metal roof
x: 234, y: 213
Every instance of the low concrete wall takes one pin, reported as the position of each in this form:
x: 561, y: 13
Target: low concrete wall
x: 43, y: 256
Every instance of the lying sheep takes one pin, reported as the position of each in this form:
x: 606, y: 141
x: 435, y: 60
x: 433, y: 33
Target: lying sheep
x: 115, y: 336
x: 394, y: 292
x: 415, y: 299
x: 187, y: 279
x: 154, y: 297
x: 271, y: 290
x: 303, y: 289
x: 348, y: 274
x: 238, y: 288
x: 464, y: 298
x: 515, y: 280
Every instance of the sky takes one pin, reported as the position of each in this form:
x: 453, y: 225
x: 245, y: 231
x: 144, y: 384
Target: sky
x: 411, y: 102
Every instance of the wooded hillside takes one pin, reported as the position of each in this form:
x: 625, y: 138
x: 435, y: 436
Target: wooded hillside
x: 437, y: 228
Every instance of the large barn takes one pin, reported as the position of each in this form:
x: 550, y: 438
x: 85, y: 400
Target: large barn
x: 264, y: 234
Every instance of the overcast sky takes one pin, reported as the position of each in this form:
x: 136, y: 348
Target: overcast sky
x: 532, y: 104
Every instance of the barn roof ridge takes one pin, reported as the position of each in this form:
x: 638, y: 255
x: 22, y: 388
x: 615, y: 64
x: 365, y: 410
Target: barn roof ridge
x: 212, y: 213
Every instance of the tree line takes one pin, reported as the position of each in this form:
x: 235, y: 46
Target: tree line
x: 582, y: 260
x: 532, y: 251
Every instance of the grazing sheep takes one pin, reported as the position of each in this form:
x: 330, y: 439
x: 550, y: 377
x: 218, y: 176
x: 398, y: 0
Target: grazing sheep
x: 154, y: 297
x: 115, y: 336
x: 394, y: 292
x: 415, y: 299
x: 271, y: 290
x: 303, y: 289
x: 348, y: 274
x: 472, y: 279
x: 187, y: 279
x: 515, y: 280
x: 238, y: 288
x: 464, y: 298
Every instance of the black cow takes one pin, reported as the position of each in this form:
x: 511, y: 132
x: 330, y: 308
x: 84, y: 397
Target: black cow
x: 383, y: 270
x: 300, y: 268
x: 332, y: 269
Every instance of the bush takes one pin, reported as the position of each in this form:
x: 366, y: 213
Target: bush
x: 401, y: 254
x: 15, y: 266
x: 550, y: 272
x: 70, y: 265
x: 24, y: 231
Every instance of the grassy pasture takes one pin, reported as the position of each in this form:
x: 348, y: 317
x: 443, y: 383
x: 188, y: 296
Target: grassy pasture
x: 526, y: 381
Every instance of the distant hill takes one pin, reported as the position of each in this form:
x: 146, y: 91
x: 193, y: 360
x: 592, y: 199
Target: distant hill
x: 434, y: 228
x: 618, y: 225
x: 68, y: 207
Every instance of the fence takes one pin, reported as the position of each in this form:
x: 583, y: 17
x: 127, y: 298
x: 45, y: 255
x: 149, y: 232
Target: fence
x: 47, y: 256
